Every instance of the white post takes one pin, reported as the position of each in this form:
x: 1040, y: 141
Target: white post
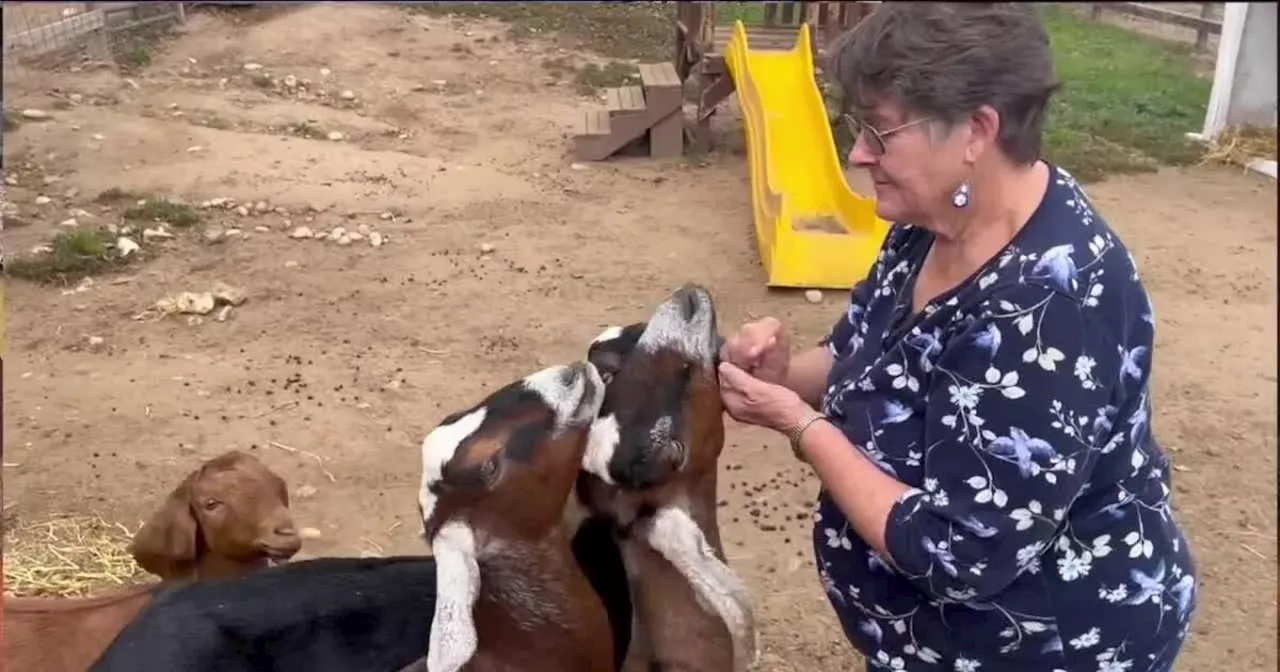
x: 1224, y: 75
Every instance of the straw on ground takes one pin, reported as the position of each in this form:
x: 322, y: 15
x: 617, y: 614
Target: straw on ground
x: 68, y: 556
x: 1241, y: 145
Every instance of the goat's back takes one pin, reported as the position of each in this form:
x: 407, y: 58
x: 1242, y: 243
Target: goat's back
x: 67, y: 634
x: 322, y: 615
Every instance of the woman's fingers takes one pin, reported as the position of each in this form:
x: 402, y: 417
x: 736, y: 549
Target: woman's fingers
x: 746, y: 347
x: 733, y: 377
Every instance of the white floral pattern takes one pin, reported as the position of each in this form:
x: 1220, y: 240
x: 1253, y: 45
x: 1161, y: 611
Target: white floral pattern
x: 1039, y: 533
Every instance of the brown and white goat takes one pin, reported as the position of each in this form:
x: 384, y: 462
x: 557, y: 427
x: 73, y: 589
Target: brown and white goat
x: 495, y: 481
x: 651, y: 464
x: 228, y: 517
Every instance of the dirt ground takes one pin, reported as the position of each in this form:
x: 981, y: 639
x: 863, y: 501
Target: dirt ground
x: 463, y: 136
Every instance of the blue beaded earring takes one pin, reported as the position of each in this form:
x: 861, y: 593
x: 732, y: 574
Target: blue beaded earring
x: 960, y: 198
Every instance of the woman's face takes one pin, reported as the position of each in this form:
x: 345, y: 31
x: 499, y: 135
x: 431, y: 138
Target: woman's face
x: 915, y: 173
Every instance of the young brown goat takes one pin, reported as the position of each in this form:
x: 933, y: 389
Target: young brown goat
x: 229, y: 517
x: 651, y: 464
x: 495, y: 481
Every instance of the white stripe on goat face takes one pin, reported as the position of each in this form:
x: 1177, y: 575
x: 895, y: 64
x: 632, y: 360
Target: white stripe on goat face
x: 669, y: 329
x: 575, y: 399
x: 601, y: 443
x: 605, y: 434
x: 573, y: 393
x: 438, y: 448
x: 608, y: 334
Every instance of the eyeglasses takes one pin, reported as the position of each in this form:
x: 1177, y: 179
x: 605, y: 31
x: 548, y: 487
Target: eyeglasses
x: 874, y: 139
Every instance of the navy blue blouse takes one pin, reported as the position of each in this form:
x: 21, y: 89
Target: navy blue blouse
x: 1038, y: 533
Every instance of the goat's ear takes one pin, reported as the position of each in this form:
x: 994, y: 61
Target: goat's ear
x: 608, y: 355
x: 166, y: 544
x: 282, y: 488
x: 607, y: 362
x: 476, y: 479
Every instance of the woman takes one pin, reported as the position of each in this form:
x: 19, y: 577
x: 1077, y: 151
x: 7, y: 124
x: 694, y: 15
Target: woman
x: 992, y: 495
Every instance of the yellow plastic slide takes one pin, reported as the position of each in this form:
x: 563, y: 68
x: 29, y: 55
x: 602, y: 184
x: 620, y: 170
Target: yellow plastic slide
x: 811, y: 228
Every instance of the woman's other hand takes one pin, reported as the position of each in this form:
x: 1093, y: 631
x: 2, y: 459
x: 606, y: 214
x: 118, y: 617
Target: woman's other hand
x: 757, y: 402
x: 761, y: 349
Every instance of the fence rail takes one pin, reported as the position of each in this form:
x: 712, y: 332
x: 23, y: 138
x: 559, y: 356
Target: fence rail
x: 40, y: 36
x: 1203, y: 24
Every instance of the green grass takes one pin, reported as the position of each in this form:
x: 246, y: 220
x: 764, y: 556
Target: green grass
x: 161, y: 210
x: 1126, y: 102
x: 73, y: 255
x: 591, y: 77
x: 749, y: 13
x: 624, y: 30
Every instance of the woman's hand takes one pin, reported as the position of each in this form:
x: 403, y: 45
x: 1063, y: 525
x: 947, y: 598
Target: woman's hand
x: 756, y: 402
x: 761, y: 349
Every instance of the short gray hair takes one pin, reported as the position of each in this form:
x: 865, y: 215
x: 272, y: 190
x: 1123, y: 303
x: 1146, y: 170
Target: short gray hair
x: 945, y: 60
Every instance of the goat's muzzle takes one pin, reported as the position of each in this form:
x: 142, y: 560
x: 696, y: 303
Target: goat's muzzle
x: 282, y: 543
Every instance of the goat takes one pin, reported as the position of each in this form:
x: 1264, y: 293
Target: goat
x: 495, y: 482
x: 228, y: 517
x: 651, y: 465
x: 320, y: 615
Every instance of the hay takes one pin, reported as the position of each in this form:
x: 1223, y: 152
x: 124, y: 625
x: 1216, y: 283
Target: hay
x: 1241, y: 146
x: 69, y: 556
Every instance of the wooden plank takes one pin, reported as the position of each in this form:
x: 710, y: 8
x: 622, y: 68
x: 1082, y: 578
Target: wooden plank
x: 172, y: 18
x: 779, y: 39
x: 1162, y: 15
x: 595, y: 122
x: 666, y: 138
x: 624, y: 99
x: 660, y: 75
x: 56, y: 35
x: 633, y: 98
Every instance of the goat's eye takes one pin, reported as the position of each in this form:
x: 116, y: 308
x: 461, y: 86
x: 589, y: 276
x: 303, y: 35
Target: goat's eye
x: 211, y: 504
x: 489, y: 471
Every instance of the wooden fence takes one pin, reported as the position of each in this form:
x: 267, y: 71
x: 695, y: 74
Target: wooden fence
x: 39, y: 36
x: 1204, y: 25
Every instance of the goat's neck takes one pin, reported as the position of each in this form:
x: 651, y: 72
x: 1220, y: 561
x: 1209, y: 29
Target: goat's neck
x: 707, y: 627
x: 700, y: 499
x: 213, y: 566
x: 535, y: 601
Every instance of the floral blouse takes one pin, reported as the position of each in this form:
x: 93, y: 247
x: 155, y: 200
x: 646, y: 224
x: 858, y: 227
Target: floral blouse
x: 1038, y: 533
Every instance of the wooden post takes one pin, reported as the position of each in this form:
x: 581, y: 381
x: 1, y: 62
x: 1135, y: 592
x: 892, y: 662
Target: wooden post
x: 706, y: 29
x: 1095, y: 11
x: 813, y: 15
x: 695, y: 35
x: 1202, y: 35
x: 99, y: 42
x: 789, y: 14
x: 685, y: 17
x: 182, y: 13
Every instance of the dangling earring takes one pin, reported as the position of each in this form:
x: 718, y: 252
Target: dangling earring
x: 960, y: 198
